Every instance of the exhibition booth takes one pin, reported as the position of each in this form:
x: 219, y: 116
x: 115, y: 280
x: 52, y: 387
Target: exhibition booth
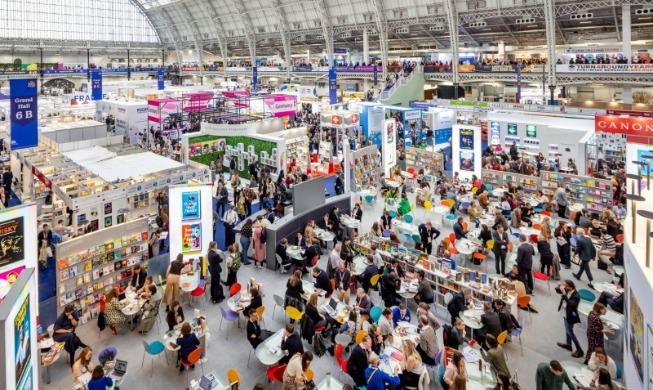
x: 130, y: 116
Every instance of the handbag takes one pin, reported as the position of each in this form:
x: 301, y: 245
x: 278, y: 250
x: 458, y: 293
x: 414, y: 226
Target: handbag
x: 575, y: 259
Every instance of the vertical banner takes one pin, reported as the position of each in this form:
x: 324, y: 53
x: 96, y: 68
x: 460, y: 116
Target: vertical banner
x: 160, y: 77
x: 96, y: 84
x: 376, y: 75
x: 192, y: 229
x: 254, y: 75
x: 24, y: 113
x: 518, y: 94
x: 333, y: 86
x: 389, y: 145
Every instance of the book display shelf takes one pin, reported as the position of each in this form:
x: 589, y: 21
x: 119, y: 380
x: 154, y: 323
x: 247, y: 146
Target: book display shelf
x: 367, y: 164
x: 595, y: 194
x: 422, y: 158
x: 497, y: 179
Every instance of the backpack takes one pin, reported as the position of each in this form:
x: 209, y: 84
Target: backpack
x: 318, y: 345
x: 235, y: 266
x: 264, y: 235
x: 447, y: 337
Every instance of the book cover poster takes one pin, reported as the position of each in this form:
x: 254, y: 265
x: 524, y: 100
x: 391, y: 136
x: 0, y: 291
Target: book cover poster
x: 12, y: 245
x: 190, y: 202
x: 22, y: 346
x: 191, y: 237
x: 108, y: 208
x: 467, y: 139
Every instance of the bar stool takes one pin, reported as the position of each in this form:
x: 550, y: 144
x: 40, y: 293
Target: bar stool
x: 634, y: 199
x: 648, y: 215
x: 635, y: 179
x: 648, y: 158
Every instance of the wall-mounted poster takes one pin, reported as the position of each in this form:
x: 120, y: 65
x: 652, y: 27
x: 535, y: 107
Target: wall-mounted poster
x: 108, y: 222
x: 531, y: 131
x: 636, y: 341
x: 390, y: 128
x: 191, y: 237
x: 467, y: 139
x: 467, y: 160
x: 23, y: 348
x: 120, y: 219
x: 512, y: 129
x: 190, y: 205
x: 650, y: 358
x: 12, y: 241
x: 108, y: 208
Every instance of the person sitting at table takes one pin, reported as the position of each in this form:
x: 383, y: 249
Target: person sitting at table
x: 424, y: 289
x: 527, y: 213
x: 309, y: 254
x: 348, y: 252
x: 413, y: 365
x: 254, y: 303
x: 145, y: 290
x: 148, y: 311
x: 187, y: 342
x: 428, y: 233
x: 619, y: 211
x: 458, y: 229
x: 376, y: 379
x: 423, y: 309
x: 390, y: 286
x: 400, y: 313
x: 391, y: 194
x: 599, y: 359
x: 542, y: 200
x: 115, y: 316
x: 363, y: 303
x: 506, y: 207
x: 395, y: 266
x: 334, y: 217
x: 475, y: 211
x: 551, y: 376
x: 357, y: 363
x: 515, y: 219
x: 606, y: 215
x: 377, y: 338
x: 495, y: 355
x: 300, y: 241
x: 334, y: 260
x: 500, y: 219
x: 485, y: 235
x: 294, y: 291
x: 428, y: 341
x: 64, y: 331
x: 312, y: 312
x: 423, y: 194
x: 385, y: 322
x: 584, y: 220
x: 404, y: 205
x: 322, y: 281
x: 370, y: 270
x: 508, y: 321
x: 455, y: 368
x: 386, y: 220
x: 256, y: 335
x: 376, y: 230
x: 378, y: 260
x: 309, y: 234
x: 283, y: 255
x: 291, y: 342
x: 483, y: 200
x: 138, y: 278
x: 491, y: 324
x: 460, y: 301
x: 83, y: 364
x: 325, y: 223
x: 595, y: 229
x: 98, y: 380
x: 457, y: 334
x: 614, y: 301
x: 175, y: 315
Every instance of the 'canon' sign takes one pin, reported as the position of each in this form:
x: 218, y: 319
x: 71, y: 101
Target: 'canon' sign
x: 632, y: 126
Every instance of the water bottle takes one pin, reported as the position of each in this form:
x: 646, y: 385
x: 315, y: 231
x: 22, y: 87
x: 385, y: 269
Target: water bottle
x: 328, y: 380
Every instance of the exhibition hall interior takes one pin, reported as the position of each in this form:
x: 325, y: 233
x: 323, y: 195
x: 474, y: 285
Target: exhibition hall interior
x: 326, y: 195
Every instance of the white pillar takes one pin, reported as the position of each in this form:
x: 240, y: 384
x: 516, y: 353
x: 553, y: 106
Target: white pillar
x: 626, y: 49
x: 308, y: 56
x: 366, y: 47
x: 502, y: 50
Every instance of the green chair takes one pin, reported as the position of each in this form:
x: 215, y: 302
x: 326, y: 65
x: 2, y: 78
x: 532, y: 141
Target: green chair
x: 408, y: 218
x: 586, y: 295
x: 375, y: 314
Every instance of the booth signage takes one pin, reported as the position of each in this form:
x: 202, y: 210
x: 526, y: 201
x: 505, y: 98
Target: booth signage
x: 254, y: 75
x: 412, y: 115
x: 645, y: 114
x: 96, y: 84
x: 24, y: 113
x: 160, y: 79
x: 333, y: 86
x: 621, y: 125
x: 605, y: 68
x: 44, y: 179
x: 531, y: 131
x: 512, y: 129
x: 593, y: 50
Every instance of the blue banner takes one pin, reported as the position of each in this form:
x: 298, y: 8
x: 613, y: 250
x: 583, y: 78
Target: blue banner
x: 333, y: 86
x: 340, y: 50
x: 376, y: 76
x: 518, y: 97
x: 24, y: 113
x: 254, y: 75
x: 160, y: 77
x: 96, y: 84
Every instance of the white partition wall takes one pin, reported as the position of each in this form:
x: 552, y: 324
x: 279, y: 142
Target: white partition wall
x: 191, y: 219
x: 466, y: 150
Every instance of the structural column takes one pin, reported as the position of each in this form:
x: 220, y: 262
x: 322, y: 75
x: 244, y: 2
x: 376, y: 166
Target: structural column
x: 626, y: 49
x: 502, y: 51
x: 366, y: 56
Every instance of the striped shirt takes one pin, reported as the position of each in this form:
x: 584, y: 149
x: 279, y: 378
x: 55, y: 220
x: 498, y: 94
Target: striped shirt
x: 609, y: 243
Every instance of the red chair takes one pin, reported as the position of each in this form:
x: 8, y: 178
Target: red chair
x: 343, y: 367
x: 275, y: 373
x: 338, y: 353
x: 533, y: 239
x: 193, y: 358
x: 620, y: 238
x: 452, y: 239
x: 199, y: 291
x: 233, y: 290
x: 333, y: 288
x: 314, y: 261
x: 320, y: 328
x: 545, y: 212
x: 543, y: 277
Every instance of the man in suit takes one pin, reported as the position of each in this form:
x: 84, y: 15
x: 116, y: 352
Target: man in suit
x: 500, y: 249
x: 458, y: 229
x: 138, y: 278
x: 586, y: 251
x: 322, y: 280
x: 370, y: 271
x: 428, y: 234
x: 491, y: 324
x: 570, y: 299
x: 357, y: 362
x: 281, y: 251
x: 325, y: 223
x: 524, y: 261
x: 461, y: 301
x: 255, y: 335
x: 7, y: 178
x: 300, y: 241
x: 334, y: 217
x: 222, y: 196
x: 291, y: 342
x: 309, y: 254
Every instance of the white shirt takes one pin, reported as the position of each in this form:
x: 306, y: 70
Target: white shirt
x: 230, y: 217
x: 378, y: 260
x: 334, y: 258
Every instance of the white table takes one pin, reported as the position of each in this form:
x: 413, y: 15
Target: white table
x: 573, y: 369
x: 221, y: 385
x: 233, y: 306
x: 441, y: 211
x: 609, y: 287
x: 294, y: 252
x: 367, y: 192
x: 132, y: 307
x: 359, y: 263
x: 408, y: 290
x: 611, y: 316
x: 498, y: 192
x: 391, y: 183
x: 472, y: 318
x: 56, y: 355
x: 575, y: 207
x: 188, y: 283
x: 329, y: 383
x: 324, y: 235
x: 402, y: 227
x: 350, y: 222
x: 465, y: 246
x: 341, y: 314
x: 269, y: 352
x: 566, y: 169
x: 309, y: 289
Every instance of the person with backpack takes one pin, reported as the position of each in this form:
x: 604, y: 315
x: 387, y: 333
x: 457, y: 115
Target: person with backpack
x: 586, y: 251
x: 233, y: 264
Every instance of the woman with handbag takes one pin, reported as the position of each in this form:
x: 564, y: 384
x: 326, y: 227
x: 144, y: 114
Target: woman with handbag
x: 295, y: 375
x: 563, y: 237
x: 44, y: 253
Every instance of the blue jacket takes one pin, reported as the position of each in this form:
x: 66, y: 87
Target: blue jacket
x: 396, y: 316
x: 378, y: 380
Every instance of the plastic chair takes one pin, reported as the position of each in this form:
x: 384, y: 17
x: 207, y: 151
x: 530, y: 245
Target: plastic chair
x: 229, y: 316
x: 444, y: 203
x: 343, y: 368
x: 408, y: 218
x: 199, y: 291
x: 375, y: 313
x: 343, y: 339
x: 193, y: 358
x: 259, y: 311
x: 465, y: 226
x: 233, y: 376
x: 360, y: 335
x: 275, y: 373
x: 489, y: 245
x: 392, y: 214
x: 620, y: 238
x: 544, y: 277
x: 278, y: 301
x: 523, y: 302
x: 517, y: 332
x: 481, y: 257
x: 338, y: 353
x: 369, y: 200
x: 537, y: 226
x: 447, y: 298
x: 374, y: 280
x: 161, y: 284
x: 333, y: 288
x: 294, y: 314
x: 153, y: 350
x: 451, y: 218
x: 234, y: 289
x: 501, y: 339
x: 510, y: 246
x: 309, y: 374
x: 545, y: 212
x: 586, y: 295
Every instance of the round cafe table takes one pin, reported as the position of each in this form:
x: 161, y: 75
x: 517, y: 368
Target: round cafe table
x: 472, y: 318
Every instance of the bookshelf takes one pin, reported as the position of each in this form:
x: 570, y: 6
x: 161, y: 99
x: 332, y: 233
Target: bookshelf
x: 297, y: 149
x: 367, y: 163
x: 503, y: 179
x: 87, y: 267
x: 422, y: 158
x: 595, y: 194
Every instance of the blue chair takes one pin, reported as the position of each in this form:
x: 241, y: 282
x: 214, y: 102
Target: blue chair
x: 465, y: 205
x: 619, y: 371
x: 408, y: 218
x: 153, y: 350
x: 517, y: 332
x: 516, y: 234
x: 416, y: 238
x: 375, y: 313
x: 392, y: 214
x: 369, y: 200
x: 586, y: 295
x: 386, y: 233
x: 228, y: 315
x: 451, y: 218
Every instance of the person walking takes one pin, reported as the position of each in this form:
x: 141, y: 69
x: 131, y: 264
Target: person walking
x: 500, y: 249
x: 525, y: 253
x: 570, y: 299
x: 586, y: 251
x: 563, y: 237
x: 172, y: 280
x: 259, y: 245
x: 245, y: 239
x: 215, y: 267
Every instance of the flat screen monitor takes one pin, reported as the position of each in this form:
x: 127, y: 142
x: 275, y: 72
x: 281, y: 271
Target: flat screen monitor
x: 308, y: 195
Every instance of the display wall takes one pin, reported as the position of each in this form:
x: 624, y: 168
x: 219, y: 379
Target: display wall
x: 389, y: 143
x: 20, y: 362
x: 191, y: 219
x: 18, y: 235
x: 466, y: 153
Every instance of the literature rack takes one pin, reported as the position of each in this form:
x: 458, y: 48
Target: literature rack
x: 367, y: 164
x: 503, y: 179
x: 595, y: 194
x: 422, y: 158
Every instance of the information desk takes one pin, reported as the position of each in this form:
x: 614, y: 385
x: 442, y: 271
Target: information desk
x: 289, y: 225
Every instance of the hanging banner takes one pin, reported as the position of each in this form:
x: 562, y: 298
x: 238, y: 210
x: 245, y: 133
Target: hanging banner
x: 333, y: 86
x: 518, y: 94
x: 160, y: 77
x: 281, y: 105
x: 376, y: 75
x: 96, y: 84
x: 254, y: 75
x: 24, y: 110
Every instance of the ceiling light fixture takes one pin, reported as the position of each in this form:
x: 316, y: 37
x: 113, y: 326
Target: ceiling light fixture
x: 586, y: 22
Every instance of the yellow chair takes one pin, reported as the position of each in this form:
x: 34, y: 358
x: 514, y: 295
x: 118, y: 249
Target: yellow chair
x: 359, y: 336
x: 451, y: 202
x: 161, y: 284
x: 501, y: 339
x: 375, y: 279
x: 294, y: 314
x: 308, y: 374
x: 233, y: 377
x: 427, y: 205
x: 490, y: 245
x: 260, y: 311
x: 474, y: 190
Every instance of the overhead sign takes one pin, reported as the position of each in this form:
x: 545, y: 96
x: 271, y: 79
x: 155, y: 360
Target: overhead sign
x: 645, y: 114
x: 593, y: 50
x: 24, y: 113
x: 96, y: 84
x: 254, y: 75
x: 281, y: 105
x: 333, y: 86
x: 160, y: 79
x: 605, y: 68
x: 621, y: 125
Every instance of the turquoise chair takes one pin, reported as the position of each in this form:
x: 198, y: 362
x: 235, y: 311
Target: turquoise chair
x: 392, y: 213
x: 416, y: 238
x: 369, y: 200
x: 451, y: 218
x: 619, y: 372
x: 375, y: 313
x: 408, y: 218
x: 153, y: 350
x: 586, y: 295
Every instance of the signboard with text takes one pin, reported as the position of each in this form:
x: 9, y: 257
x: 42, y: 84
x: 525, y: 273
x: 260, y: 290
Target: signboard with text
x: 621, y: 125
x: 96, y: 84
x: 24, y: 113
x: 605, y: 68
x: 333, y: 86
x: 160, y: 79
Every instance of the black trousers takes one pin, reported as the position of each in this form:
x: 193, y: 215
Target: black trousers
x: 228, y: 234
x: 562, y: 211
x: 217, y: 293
